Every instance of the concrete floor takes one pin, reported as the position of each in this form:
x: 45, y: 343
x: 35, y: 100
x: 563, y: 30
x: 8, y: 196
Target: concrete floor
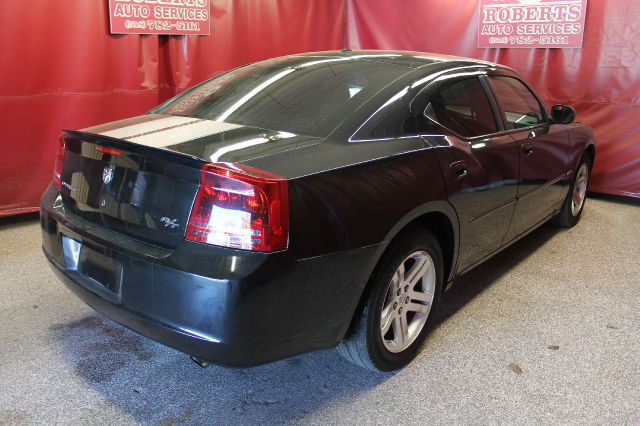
x: 548, y: 331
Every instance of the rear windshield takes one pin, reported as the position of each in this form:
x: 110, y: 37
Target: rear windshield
x: 308, y: 96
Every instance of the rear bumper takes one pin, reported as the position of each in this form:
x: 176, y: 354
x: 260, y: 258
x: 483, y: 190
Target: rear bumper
x: 225, y: 306
x: 206, y: 347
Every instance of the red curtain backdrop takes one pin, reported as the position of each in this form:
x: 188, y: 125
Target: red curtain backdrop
x: 601, y: 80
x: 62, y: 69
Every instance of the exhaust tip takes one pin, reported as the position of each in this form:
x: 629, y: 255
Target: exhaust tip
x: 200, y: 362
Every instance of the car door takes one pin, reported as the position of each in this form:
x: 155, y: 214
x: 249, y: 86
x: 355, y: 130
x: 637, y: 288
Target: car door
x: 480, y: 166
x: 543, y: 153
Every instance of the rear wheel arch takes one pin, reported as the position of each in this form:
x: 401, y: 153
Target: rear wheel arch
x: 441, y: 227
x: 591, y: 150
x: 440, y: 219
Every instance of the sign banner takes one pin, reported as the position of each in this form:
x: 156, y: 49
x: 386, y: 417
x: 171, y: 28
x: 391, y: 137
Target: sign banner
x: 175, y: 17
x: 531, y: 23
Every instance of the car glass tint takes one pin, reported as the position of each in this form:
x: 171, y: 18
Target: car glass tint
x: 308, y: 97
x: 521, y: 108
x: 391, y: 120
x: 463, y: 107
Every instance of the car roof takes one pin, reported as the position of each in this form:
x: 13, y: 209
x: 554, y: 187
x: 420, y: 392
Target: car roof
x: 411, y: 59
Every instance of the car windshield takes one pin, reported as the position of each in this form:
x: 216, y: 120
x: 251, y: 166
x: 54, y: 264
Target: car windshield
x: 304, y: 95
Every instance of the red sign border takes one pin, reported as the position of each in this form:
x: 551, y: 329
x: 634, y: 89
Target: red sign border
x: 208, y: 33
x: 586, y: 6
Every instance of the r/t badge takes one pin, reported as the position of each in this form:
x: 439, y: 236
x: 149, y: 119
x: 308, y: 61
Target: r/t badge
x: 169, y: 223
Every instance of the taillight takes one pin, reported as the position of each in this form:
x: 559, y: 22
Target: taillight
x: 57, y: 168
x: 240, y: 207
x: 109, y: 151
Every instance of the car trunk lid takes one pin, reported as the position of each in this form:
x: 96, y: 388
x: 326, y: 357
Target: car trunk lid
x: 143, y: 193
x: 140, y: 176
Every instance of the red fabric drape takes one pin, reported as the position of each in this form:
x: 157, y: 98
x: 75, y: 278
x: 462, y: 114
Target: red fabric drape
x: 601, y: 80
x: 62, y: 69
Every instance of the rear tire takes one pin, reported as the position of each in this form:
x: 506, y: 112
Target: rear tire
x: 398, y: 310
x: 573, y: 205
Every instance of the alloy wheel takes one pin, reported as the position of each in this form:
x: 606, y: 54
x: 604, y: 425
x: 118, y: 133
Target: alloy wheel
x: 408, y: 301
x: 579, y: 189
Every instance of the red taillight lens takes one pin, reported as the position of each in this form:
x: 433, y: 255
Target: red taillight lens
x: 57, y: 168
x: 240, y: 207
x: 109, y: 151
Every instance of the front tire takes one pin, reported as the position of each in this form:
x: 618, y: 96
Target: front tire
x: 398, y: 309
x: 573, y: 205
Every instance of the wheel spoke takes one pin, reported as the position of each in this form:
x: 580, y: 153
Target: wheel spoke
x: 576, y: 198
x: 416, y: 272
x: 398, y: 277
x: 404, y: 327
x: 416, y: 307
x: 420, y: 296
x: 397, y: 334
x: 388, y: 316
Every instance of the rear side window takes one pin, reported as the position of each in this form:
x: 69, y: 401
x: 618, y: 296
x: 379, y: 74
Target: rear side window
x: 462, y: 106
x: 392, y: 120
x: 520, y: 106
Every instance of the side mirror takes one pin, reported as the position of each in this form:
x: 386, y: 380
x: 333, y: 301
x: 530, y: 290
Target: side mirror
x: 562, y: 114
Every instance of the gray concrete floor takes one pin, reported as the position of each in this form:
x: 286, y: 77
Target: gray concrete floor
x: 548, y: 331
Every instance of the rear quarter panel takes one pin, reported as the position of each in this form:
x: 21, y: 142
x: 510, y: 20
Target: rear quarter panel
x: 352, y: 195
x: 346, y: 202
x: 581, y: 137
